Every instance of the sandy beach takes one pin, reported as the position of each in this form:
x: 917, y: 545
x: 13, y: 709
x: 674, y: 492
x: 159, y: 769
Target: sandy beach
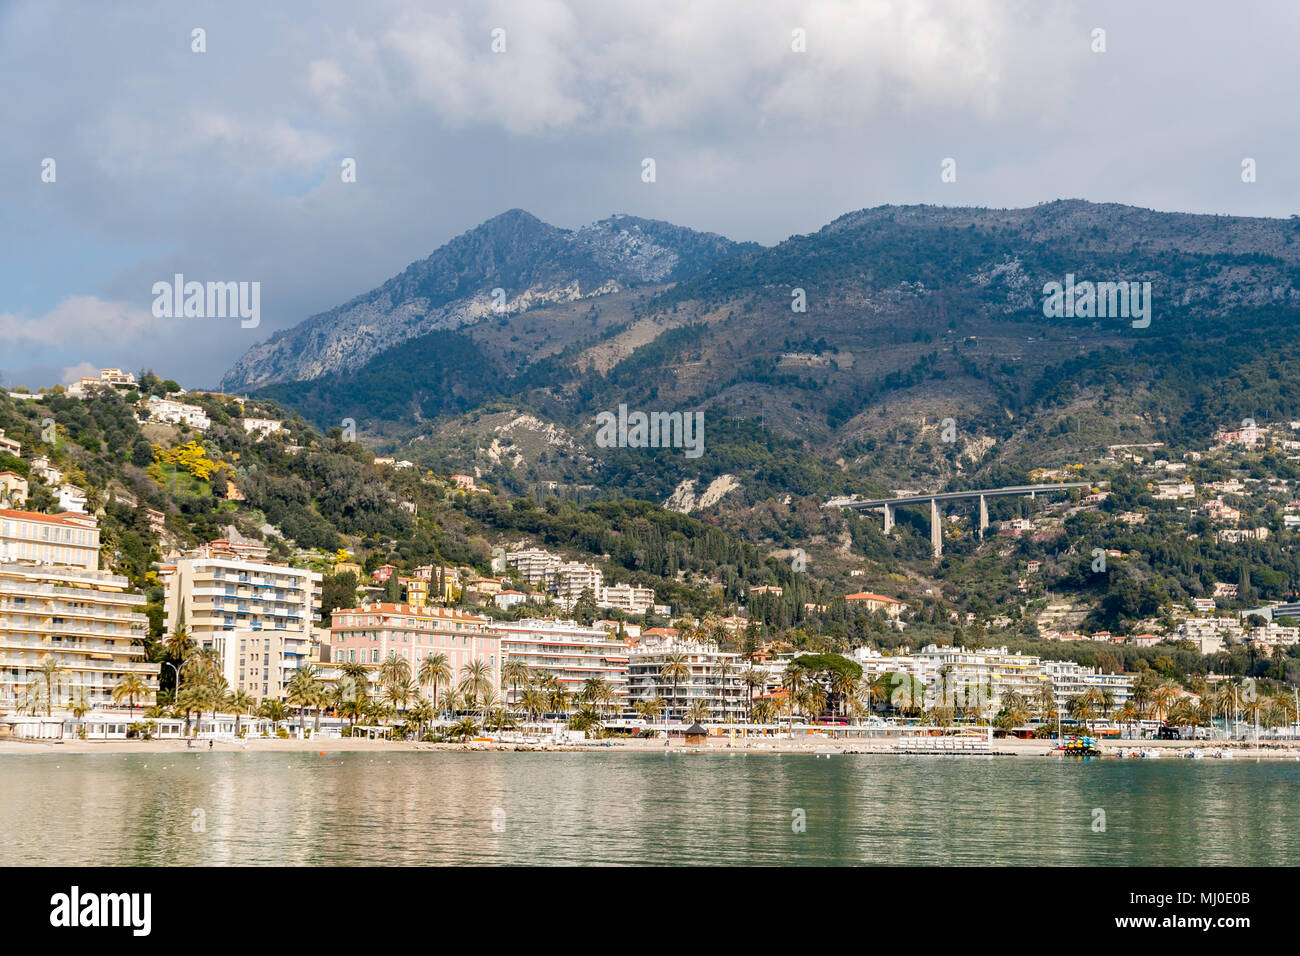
x: 1271, y: 750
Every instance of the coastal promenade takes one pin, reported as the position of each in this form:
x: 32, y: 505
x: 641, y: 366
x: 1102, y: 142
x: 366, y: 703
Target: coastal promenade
x: 802, y: 744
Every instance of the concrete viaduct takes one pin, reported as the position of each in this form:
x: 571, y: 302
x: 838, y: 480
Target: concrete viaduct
x: 936, y: 525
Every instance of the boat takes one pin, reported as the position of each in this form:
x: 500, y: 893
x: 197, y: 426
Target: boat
x: 1223, y: 754
x: 1151, y: 753
x: 1195, y: 755
x: 1079, y: 747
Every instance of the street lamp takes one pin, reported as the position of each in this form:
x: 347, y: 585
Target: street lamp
x: 177, y: 693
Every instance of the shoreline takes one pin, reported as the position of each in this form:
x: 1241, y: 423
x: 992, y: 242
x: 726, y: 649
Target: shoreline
x: 1009, y: 747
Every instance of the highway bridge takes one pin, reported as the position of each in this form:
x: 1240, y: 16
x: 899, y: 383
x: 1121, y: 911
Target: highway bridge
x: 936, y: 525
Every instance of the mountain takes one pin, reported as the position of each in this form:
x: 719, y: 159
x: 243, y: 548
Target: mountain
x: 532, y: 262
x: 913, y: 316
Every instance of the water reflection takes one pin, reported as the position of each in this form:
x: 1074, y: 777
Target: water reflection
x: 610, y: 808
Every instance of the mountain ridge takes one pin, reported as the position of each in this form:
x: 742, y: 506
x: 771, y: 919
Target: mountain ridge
x: 530, y: 261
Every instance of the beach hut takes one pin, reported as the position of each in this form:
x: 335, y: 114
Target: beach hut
x: 695, y: 734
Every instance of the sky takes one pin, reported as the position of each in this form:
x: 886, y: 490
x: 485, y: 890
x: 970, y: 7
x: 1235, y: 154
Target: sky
x: 226, y: 164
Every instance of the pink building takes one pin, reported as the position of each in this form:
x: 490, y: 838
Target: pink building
x: 369, y: 634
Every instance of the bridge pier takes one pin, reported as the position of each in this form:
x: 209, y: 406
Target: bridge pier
x: 889, y: 518
x: 936, y: 529
x: 984, y: 516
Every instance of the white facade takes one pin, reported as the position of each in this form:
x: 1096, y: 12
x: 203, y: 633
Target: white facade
x: 177, y: 413
x: 535, y: 564
x: 257, y: 613
x: 625, y: 597
x: 566, y: 651
x: 712, y: 676
x: 262, y: 426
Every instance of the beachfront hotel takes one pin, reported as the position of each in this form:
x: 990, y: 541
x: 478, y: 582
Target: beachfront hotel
x: 55, y: 604
x: 567, y: 651
x: 367, y: 635
x: 713, y: 676
x: 258, y: 616
x: 972, y: 674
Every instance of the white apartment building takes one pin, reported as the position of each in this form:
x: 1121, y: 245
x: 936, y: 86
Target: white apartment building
x: 535, y: 564
x: 176, y: 413
x: 1070, y: 679
x: 974, y: 677
x: 626, y: 598
x: 711, y: 676
x: 262, y: 426
x: 55, y: 604
x: 65, y: 540
x: 1209, y: 634
x: 258, y: 616
x: 573, y: 577
x: 9, y: 445
x: 567, y: 651
x: 1273, y: 635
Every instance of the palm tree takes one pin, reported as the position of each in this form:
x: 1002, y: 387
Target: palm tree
x: 651, y: 708
x: 1046, y: 701
x: 178, y: 644
x: 352, y: 709
x: 201, y: 663
x: 587, y: 718
x: 273, y: 710
x: 879, y: 691
x: 487, y: 701
x: 598, y: 692
x: 130, y: 687
x: 842, y: 686
x: 79, y: 707
x: 191, y: 699
x: 212, y: 692
x: 674, y: 668
x: 813, y: 698
x: 475, y: 680
x: 398, y: 693
x: 435, y: 670
x: 753, y: 678
x: 1014, y: 712
x: 239, y: 703
x: 1143, y: 691
x: 796, y: 675
x: 1222, y: 699
x: 534, y: 701
x: 421, y: 712
x: 30, y: 703
x: 514, y: 673
x: 699, y: 711
x: 394, y: 669
x: 465, y: 728
x: 1162, y: 698
x: 47, y: 669
x: 1082, y: 708
x: 356, y: 675
x: 765, y: 710
x: 1129, y: 715
x: 451, y: 700
x: 304, y: 691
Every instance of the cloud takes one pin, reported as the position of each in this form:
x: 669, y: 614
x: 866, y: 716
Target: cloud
x: 75, y: 373
x: 674, y: 64
x: 78, y: 320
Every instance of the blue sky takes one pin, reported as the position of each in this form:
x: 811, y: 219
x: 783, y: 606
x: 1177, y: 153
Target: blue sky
x: 223, y: 165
